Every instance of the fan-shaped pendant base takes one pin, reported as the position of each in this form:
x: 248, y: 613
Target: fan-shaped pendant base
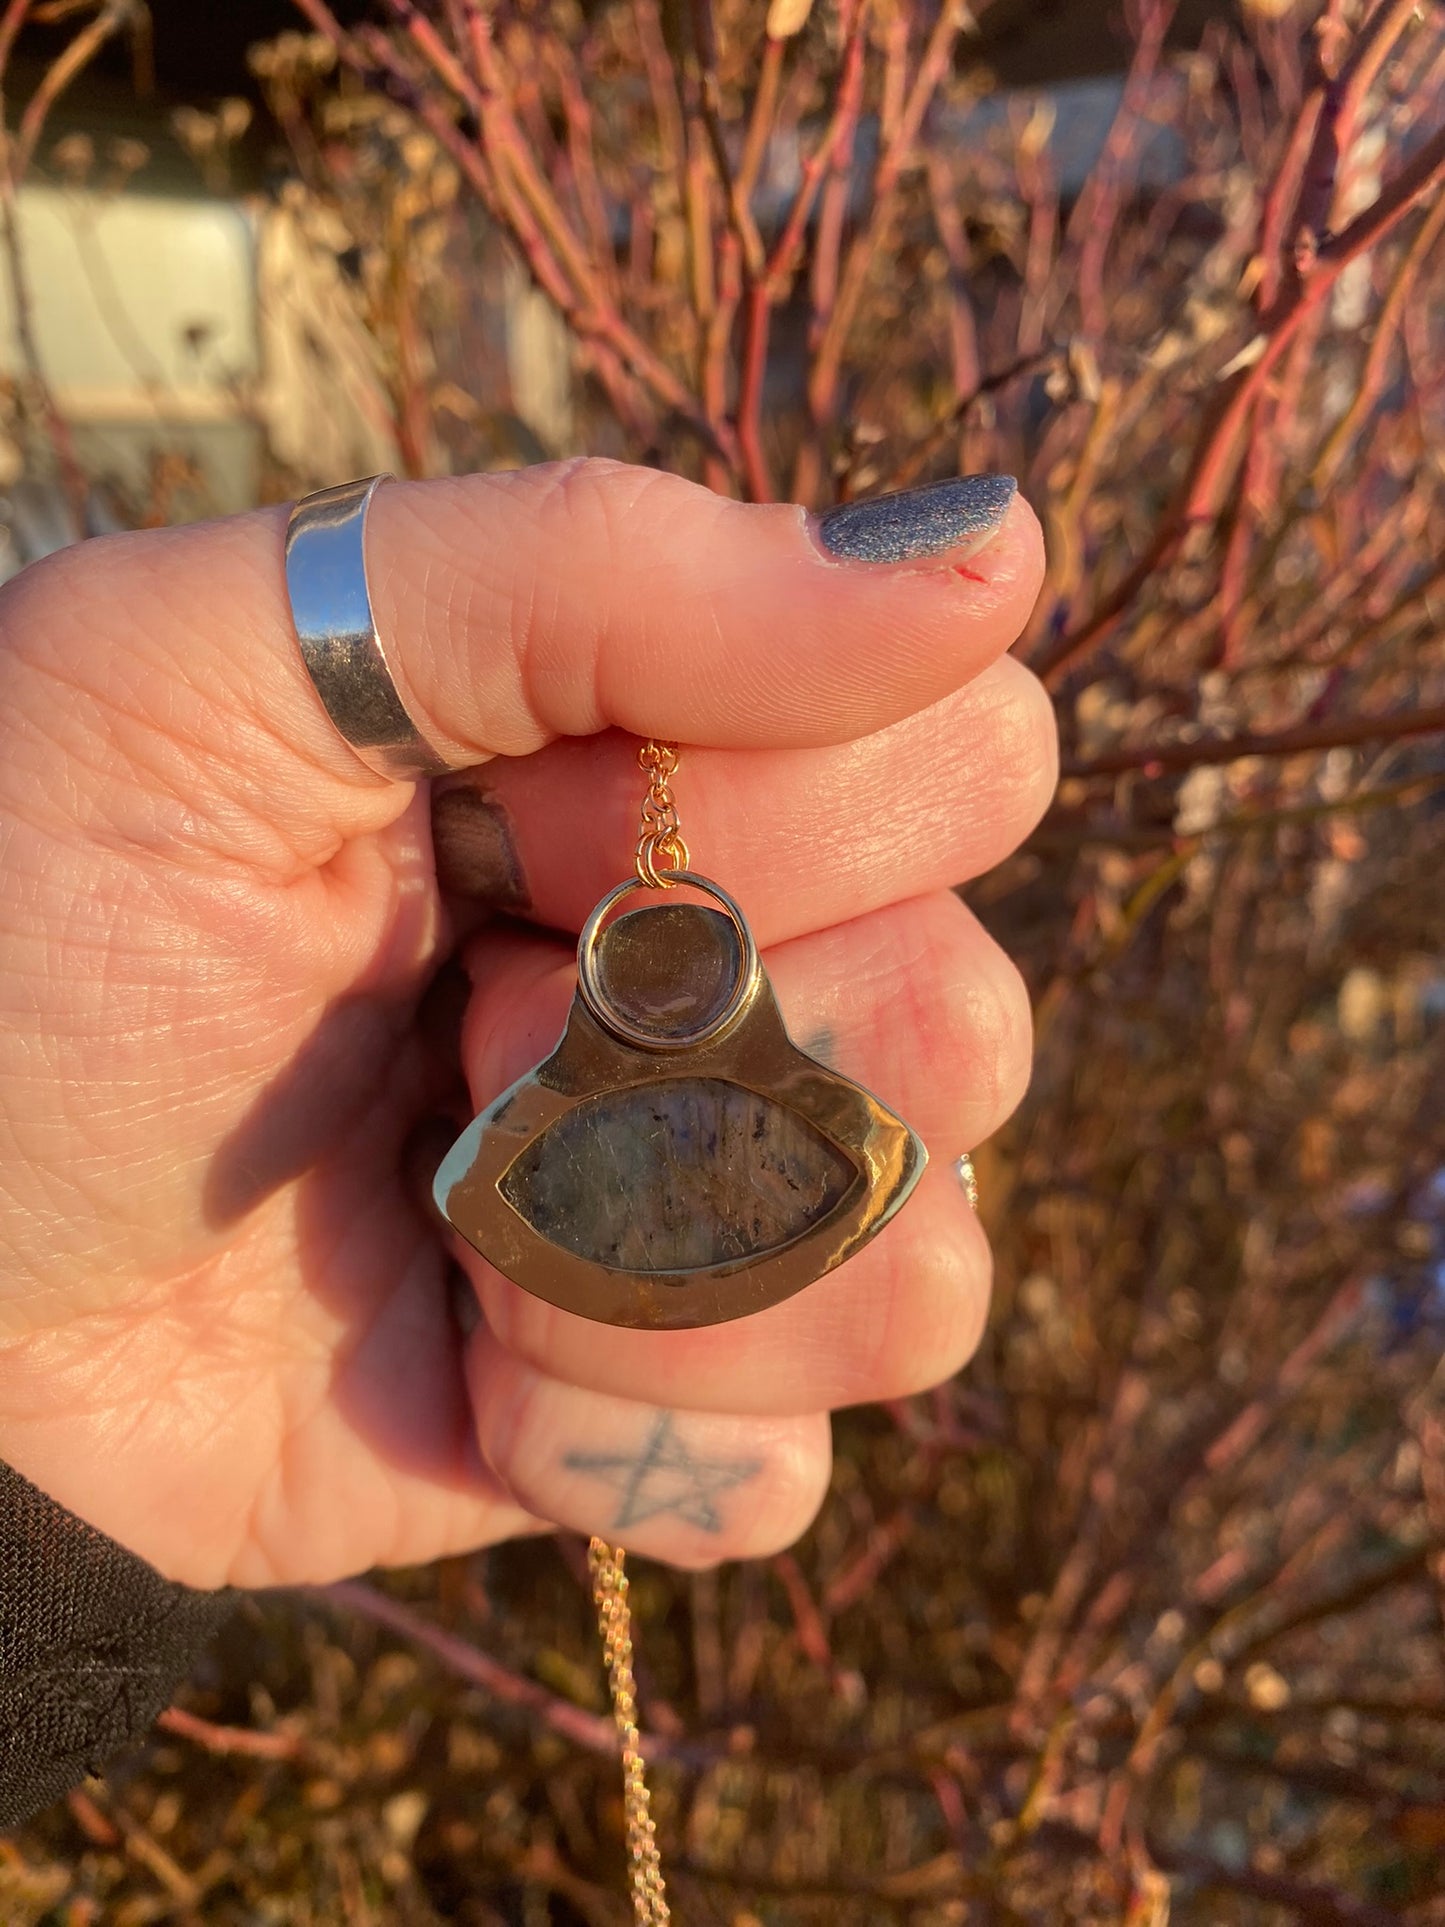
x: 677, y: 1161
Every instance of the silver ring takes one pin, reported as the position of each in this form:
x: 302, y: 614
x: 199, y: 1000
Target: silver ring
x: 331, y: 608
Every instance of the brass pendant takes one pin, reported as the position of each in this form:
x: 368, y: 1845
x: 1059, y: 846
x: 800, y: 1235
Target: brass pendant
x: 677, y: 1161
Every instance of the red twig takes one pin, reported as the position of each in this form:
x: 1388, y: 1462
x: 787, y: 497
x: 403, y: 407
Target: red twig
x: 826, y: 173
x: 67, y: 65
x: 1217, y: 452
x: 868, y: 245
x: 667, y: 114
x: 11, y: 21
x: 1097, y: 210
x: 1159, y: 757
x: 1336, y: 123
x: 504, y: 171
x: 1246, y: 1429
x: 591, y: 1731
x: 1382, y: 344
x: 581, y: 157
x: 810, y: 1624
x: 963, y: 322
x: 752, y: 376
x: 1282, y: 200
x: 16, y: 153
x: 227, y: 1740
x: 884, y: 1543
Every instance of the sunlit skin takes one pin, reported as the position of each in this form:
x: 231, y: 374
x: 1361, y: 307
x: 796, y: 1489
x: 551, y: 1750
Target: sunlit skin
x: 227, y: 1335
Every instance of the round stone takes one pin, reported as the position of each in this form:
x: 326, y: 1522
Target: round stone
x: 670, y: 969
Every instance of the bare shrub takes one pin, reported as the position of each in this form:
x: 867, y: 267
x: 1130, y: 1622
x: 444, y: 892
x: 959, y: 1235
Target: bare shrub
x: 1140, y: 1618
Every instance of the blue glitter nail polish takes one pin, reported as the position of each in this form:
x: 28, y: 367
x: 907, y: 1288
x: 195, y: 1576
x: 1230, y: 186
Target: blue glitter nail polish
x: 962, y: 514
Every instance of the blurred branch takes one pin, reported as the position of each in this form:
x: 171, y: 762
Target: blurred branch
x: 1308, y: 1900
x: 593, y: 1731
x: 503, y: 168
x: 1337, y: 734
x: 947, y: 427
x: 1382, y: 344
x: 226, y: 1741
x: 17, y: 151
x: 1216, y: 453
x: 71, y: 61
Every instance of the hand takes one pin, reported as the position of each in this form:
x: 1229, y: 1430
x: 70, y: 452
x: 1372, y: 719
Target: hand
x: 228, y: 1336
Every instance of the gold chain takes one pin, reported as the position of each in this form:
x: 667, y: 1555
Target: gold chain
x: 661, y: 856
x: 609, y: 1589
x: 661, y: 851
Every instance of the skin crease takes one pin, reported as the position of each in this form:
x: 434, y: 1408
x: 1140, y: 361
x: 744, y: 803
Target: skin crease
x: 893, y: 813
x: 226, y: 1335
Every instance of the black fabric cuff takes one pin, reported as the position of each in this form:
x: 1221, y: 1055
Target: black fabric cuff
x: 93, y: 1643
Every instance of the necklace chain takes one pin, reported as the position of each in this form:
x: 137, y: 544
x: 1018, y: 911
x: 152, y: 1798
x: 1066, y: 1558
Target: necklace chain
x: 609, y: 1589
x: 661, y: 851
x: 662, y: 855
x: 661, y: 838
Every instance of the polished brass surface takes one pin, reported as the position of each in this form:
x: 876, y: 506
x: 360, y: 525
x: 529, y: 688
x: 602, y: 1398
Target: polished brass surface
x: 651, y: 1177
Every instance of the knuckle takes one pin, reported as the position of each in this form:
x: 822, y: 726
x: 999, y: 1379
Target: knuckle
x: 591, y: 510
x: 969, y: 1004
x: 1025, y: 745
x: 63, y: 593
x: 799, y: 1476
x: 46, y: 582
x: 1004, y: 1025
x: 936, y: 1298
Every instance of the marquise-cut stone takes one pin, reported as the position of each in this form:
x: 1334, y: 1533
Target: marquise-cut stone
x: 677, y: 1176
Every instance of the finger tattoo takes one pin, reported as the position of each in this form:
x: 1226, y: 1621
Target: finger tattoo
x: 666, y: 1476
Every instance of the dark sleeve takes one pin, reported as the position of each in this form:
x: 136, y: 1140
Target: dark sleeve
x: 93, y: 1643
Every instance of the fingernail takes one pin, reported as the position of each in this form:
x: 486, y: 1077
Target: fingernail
x: 959, y: 515
x: 476, y: 848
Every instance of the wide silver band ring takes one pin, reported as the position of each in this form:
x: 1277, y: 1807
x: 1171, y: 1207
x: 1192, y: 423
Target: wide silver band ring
x: 331, y: 608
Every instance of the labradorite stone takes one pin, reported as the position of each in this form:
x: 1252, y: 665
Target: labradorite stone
x: 677, y: 1175
x: 671, y: 968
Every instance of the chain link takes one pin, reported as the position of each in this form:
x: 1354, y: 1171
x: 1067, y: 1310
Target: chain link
x: 662, y: 856
x: 661, y: 852
x: 609, y: 1589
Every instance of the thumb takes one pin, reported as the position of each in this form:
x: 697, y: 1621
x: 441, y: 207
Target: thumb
x: 518, y: 607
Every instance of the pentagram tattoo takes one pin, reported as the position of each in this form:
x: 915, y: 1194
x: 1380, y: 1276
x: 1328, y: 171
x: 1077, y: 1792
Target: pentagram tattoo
x: 665, y: 1477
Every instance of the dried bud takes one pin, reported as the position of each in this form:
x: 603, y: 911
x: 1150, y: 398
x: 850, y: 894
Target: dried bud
x: 788, y: 17
x: 73, y: 157
x: 126, y: 156
x: 233, y: 117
